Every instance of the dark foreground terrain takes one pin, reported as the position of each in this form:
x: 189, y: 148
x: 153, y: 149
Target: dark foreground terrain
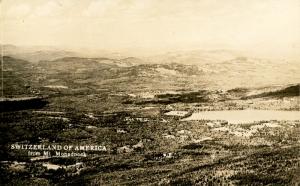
x: 126, y: 109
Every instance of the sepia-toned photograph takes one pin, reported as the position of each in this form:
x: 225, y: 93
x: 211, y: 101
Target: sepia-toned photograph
x: 150, y: 92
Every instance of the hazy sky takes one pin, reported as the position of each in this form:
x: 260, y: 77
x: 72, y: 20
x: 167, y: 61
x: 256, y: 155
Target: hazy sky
x: 270, y: 27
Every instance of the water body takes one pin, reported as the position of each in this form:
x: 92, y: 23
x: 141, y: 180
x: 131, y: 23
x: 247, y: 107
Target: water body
x: 176, y: 113
x: 245, y: 116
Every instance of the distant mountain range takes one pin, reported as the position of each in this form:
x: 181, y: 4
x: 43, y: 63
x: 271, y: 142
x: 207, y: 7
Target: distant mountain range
x: 179, y: 70
x: 196, y: 56
x: 35, y: 54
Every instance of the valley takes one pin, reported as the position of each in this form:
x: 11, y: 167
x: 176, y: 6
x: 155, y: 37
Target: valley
x: 233, y: 122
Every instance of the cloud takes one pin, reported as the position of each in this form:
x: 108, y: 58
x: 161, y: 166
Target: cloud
x: 19, y: 10
x: 101, y: 7
x: 34, y: 9
x: 50, y: 8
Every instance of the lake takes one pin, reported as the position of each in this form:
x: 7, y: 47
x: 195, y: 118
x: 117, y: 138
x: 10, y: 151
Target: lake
x: 244, y: 116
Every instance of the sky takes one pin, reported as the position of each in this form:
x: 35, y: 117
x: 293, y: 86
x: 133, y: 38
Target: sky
x: 264, y: 27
